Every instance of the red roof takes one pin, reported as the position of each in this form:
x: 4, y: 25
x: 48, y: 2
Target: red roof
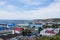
x: 18, y: 29
x: 50, y: 31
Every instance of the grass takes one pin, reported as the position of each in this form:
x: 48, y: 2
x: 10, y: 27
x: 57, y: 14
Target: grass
x: 57, y: 37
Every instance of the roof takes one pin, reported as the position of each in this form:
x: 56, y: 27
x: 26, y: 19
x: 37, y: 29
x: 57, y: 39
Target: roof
x: 3, y: 28
x: 18, y: 29
x: 50, y: 31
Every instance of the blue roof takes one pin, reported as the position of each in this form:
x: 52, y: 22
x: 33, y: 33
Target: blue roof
x: 11, y: 25
x: 2, y: 28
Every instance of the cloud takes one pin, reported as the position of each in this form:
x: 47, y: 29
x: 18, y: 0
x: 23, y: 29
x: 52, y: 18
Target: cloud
x: 6, y: 15
x: 57, y: 0
x: 2, y: 3
x: 34, y: 2
x: 52, y: 11
x: 29, y: 4
x: 9, y: 11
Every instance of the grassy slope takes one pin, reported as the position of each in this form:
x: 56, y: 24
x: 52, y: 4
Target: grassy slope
x: 57, y: 37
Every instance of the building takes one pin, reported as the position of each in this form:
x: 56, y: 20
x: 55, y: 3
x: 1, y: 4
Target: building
x: 3, y: 25
x: 18, y: 30
x: 38, y: 23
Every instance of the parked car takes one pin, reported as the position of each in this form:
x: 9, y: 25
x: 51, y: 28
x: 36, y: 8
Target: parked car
x: 48, y: 32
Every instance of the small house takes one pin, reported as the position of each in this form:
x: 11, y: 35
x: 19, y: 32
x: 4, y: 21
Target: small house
x: 18, y: 30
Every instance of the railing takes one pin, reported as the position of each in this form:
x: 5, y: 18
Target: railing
x: 6, y: 32
x: 24, y: 38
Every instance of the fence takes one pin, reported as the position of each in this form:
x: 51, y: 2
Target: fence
x: 23, y: 38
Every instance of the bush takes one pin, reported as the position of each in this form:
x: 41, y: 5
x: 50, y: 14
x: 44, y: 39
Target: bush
x: 26, y: 32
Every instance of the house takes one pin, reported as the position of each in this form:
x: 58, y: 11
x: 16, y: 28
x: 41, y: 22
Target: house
x: 23, y: 25
x: 58, y: 24
x: 18, y: 30
x: 49, y: 32
x: 49, y: 23
x: 5, y: 31
x: 3, y: 25
x: 37, y: 23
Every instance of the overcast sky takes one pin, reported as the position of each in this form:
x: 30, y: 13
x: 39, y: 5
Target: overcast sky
x: 29, y: 9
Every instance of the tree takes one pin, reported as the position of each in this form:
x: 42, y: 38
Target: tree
x: 33, y: 27
x: 26, y: 32
x: 39, y: 29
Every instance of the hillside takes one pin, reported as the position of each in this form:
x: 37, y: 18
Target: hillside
x: 50, y: 19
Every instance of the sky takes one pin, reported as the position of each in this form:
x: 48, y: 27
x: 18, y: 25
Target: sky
x: 29, y: 9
